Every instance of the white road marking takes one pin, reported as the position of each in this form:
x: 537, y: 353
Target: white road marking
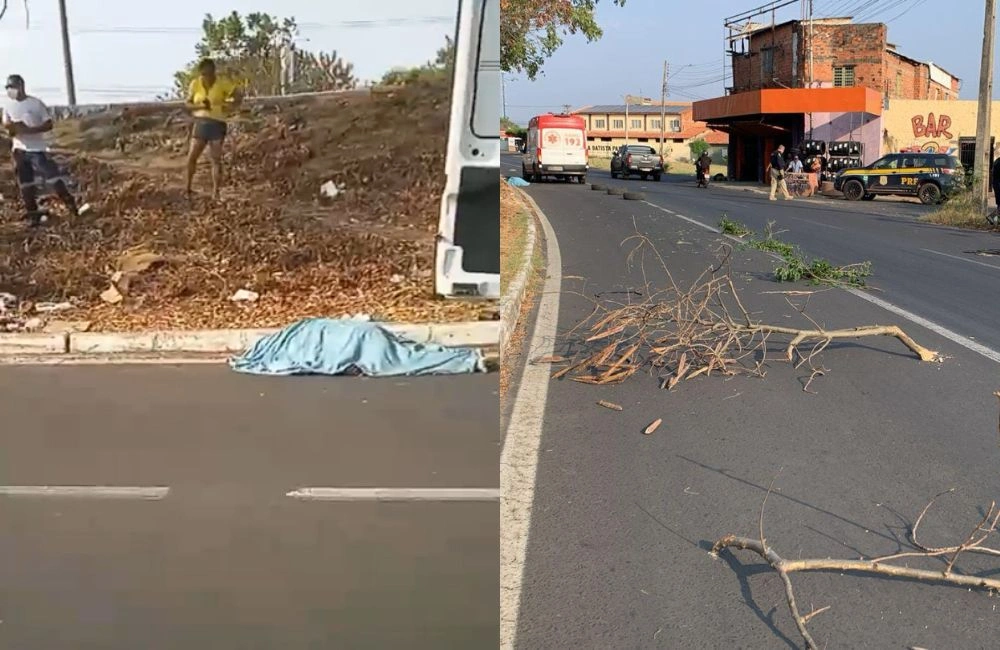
x: 688, y: 219
x: 394, y: 494
x: 85, y: 491
x: 85, y: 360
x: 954, y: 337
x: 961, y: 259
x: 519, y: 458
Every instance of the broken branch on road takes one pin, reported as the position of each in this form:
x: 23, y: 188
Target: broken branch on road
x: 683, y: 333
x: 878, y: 566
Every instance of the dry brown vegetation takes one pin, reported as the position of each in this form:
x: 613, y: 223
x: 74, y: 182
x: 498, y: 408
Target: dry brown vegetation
x: 368, y: 250
x: 680, y: 333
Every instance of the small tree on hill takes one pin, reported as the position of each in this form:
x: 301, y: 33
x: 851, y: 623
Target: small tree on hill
x: 440, y: 68
x: 250, y: 49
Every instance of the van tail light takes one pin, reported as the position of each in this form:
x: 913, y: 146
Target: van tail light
x: 538, y: 155
x: 628, y: 159
x: 947, y: 170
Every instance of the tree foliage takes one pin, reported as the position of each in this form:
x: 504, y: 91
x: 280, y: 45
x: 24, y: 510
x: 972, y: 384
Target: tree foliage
x: 250, y: 49
x: 441, y: 67
x: 531, y: 30
x: 698, y: 147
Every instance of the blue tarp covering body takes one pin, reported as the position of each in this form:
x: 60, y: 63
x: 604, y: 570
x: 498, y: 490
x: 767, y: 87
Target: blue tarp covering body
x: 325, y: 346
x: 517, y: 181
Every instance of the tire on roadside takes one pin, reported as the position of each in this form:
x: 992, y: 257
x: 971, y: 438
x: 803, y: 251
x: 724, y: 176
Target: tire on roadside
x: 598, y: 187
x: 633, y: 196
x: 929, y: 193
x: 854, y: 190
x: 615, y: 191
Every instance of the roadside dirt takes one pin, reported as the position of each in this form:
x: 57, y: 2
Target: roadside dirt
x: 368, y: 250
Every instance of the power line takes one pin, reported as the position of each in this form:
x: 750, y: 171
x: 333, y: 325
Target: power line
x: 904, y: 11
x: 345, y: 24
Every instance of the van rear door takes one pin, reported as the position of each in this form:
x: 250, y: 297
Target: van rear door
x: 467, y: 257
x: 563, y: 146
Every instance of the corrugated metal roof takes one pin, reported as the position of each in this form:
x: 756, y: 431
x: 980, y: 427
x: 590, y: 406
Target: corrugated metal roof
x: 671, y: 109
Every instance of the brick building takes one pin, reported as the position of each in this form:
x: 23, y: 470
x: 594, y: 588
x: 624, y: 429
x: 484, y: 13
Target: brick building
x: 831, y: 87
x: 839, y: 53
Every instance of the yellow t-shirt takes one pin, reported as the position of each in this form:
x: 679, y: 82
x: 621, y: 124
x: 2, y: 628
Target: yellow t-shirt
x: 217, y: 94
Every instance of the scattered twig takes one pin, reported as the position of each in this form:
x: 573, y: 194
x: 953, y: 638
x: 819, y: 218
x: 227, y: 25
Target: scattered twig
x: 879, y: 566
x: 684, y: 333
x: 653, y: 426
x: 609, y: 405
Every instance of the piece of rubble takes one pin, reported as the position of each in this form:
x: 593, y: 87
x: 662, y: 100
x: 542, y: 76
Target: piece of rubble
x: 111, y: 295
x: 52, y: 307
x: 66, y: 326
x: 330, y: 190
x: 610, y: 405
x: 244, y: 295
x: 653, y: 426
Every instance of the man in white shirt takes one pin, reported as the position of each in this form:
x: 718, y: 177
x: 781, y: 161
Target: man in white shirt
x: 26, y: 119
x: 795, y: 166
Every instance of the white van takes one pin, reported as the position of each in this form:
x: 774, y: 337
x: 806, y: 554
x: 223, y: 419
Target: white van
x: 556, y: 147
x: 467, y: 255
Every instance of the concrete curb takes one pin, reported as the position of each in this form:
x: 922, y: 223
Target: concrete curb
x: 512, y: 301
x: 471, y: 334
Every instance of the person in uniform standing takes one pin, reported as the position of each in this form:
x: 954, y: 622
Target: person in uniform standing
x: 778, y: 167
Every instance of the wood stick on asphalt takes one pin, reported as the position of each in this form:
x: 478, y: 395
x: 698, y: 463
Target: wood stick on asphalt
x: 879, y: 566
x: 681, y: 334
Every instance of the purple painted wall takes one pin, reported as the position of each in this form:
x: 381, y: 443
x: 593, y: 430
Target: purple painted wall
x: 841, y: 127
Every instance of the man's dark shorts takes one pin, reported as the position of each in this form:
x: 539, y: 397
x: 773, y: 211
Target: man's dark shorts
x: 209, y: 130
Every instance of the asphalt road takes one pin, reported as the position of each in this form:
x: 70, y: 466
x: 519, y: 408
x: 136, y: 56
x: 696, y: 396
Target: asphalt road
x: 926, y: 269
x: 621, y: 522
x: 226, y: 559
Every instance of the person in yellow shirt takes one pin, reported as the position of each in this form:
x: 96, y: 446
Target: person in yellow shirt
x: 210, y: 99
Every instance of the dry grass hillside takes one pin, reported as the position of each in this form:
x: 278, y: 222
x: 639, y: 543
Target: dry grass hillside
x: 369, y: 249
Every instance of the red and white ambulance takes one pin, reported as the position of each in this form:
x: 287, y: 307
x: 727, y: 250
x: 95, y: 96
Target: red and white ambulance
x: 556, y: 147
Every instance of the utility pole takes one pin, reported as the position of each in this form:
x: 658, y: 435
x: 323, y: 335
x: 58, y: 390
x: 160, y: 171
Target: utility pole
x: 503, y: 93
x: 627, y: 97
x: 663, y: 107
x: 67, y: 56
x: 981, y: 171
x: 811, y: 44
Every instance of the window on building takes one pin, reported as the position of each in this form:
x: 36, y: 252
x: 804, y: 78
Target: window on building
x: 675, y: 125
x: 619, y: 124
x: 599, y: 124
x: 643, y: 139
x: 655, y: 124
x: 899, y: 83
x: 843, y: 75
x: 767, y: 62
x: 635, y: 124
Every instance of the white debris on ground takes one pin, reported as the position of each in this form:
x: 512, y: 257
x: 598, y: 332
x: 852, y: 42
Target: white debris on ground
x: 244, y: 295
x: 331, y: 190
x: 14, y: 316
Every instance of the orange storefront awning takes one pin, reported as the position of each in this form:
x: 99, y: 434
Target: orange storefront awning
x: 857, y: 99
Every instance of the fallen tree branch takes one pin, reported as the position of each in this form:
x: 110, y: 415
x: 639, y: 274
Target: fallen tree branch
x: 879, y: 566
x: 681, y: 334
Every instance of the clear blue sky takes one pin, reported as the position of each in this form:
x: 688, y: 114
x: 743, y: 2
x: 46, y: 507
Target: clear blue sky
x: 129, y: 49
x: 689, y: 33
